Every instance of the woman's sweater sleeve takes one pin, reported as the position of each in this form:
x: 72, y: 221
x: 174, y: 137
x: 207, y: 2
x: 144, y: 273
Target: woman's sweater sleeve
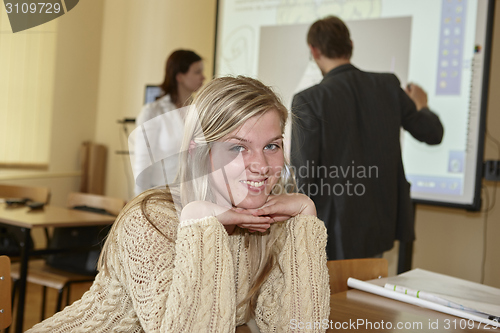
x: 187, y: 287
x: 296, y: 296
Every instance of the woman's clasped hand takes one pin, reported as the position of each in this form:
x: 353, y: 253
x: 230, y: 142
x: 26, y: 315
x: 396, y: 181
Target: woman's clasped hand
x: 278, y: 208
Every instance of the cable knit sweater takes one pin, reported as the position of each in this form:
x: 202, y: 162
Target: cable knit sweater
x: 195, y: 283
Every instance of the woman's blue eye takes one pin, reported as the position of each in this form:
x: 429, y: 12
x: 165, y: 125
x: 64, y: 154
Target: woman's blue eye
x: 272, y: 146
x: 237, y: 149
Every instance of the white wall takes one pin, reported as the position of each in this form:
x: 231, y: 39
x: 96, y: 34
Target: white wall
x: 76, y: 78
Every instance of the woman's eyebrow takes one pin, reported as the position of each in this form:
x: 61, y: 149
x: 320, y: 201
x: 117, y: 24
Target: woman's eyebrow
x: 278, y: 137
x: 237, y: 138
x: 245, y: 140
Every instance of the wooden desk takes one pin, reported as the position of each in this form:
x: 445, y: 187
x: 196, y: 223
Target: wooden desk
x: 49, y: 216
x: 375, y: 313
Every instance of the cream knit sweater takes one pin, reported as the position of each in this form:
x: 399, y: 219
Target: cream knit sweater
x: 195, y: 283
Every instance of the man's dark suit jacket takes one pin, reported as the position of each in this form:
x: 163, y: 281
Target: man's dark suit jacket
x: 347, y: 157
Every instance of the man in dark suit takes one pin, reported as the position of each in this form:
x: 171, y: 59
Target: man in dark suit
x: 346, y: 150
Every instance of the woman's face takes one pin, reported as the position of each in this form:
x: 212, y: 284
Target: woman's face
x: 247, y: 163
x: 193, y: 79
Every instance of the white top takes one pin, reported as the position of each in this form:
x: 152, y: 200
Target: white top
x: 156, y: 143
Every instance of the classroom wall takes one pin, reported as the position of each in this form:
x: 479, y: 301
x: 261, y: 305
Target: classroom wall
x: 78, y: 50
x: 107, y: 51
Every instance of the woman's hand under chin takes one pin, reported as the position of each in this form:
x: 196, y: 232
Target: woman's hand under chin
x: 229, y: 217
x: 277, y: 208
x: 285, y: 206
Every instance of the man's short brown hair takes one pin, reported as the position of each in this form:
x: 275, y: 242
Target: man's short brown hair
x: 331, y: 36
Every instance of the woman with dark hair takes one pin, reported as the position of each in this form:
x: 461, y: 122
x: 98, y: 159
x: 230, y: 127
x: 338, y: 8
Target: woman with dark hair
x: 183, y: 76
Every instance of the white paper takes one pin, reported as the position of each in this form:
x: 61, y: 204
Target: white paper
x: 378, y: 290
x: 469, y: 294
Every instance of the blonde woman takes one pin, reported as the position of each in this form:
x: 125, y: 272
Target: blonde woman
x: 243, y: 249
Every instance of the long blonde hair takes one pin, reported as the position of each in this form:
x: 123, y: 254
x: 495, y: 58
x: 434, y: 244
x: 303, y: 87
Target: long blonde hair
x: 220, y: 108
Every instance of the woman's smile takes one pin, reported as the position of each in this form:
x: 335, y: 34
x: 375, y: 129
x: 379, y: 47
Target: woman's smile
x: 248, y: 162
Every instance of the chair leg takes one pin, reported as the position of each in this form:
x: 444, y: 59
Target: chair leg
x: 59, y: 299
x: 47, y: 236
x: 44, y: 298
x: 15, y: 285
x: 68, y: 293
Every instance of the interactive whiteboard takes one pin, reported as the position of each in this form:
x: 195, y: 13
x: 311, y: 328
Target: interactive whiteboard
x: 442, y: 45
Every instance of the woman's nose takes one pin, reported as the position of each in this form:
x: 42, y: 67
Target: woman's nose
x: 258, y: 163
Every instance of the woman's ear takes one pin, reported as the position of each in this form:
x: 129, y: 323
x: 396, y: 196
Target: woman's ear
x: 179, y: 77
x: 192, y: 146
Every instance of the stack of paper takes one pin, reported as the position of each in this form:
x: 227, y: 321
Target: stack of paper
x: 439, y: 292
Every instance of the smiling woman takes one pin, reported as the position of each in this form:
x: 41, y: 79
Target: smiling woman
x: 248, y: 162
x: 242, y: 250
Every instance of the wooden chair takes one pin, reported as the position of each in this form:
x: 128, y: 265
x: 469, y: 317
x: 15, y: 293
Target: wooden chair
x: 5, y: 303
x: 42, y: 274
x: 93, y: 158
x: 39, y: 194
x: 361, y: 269
x: 111, y: 205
